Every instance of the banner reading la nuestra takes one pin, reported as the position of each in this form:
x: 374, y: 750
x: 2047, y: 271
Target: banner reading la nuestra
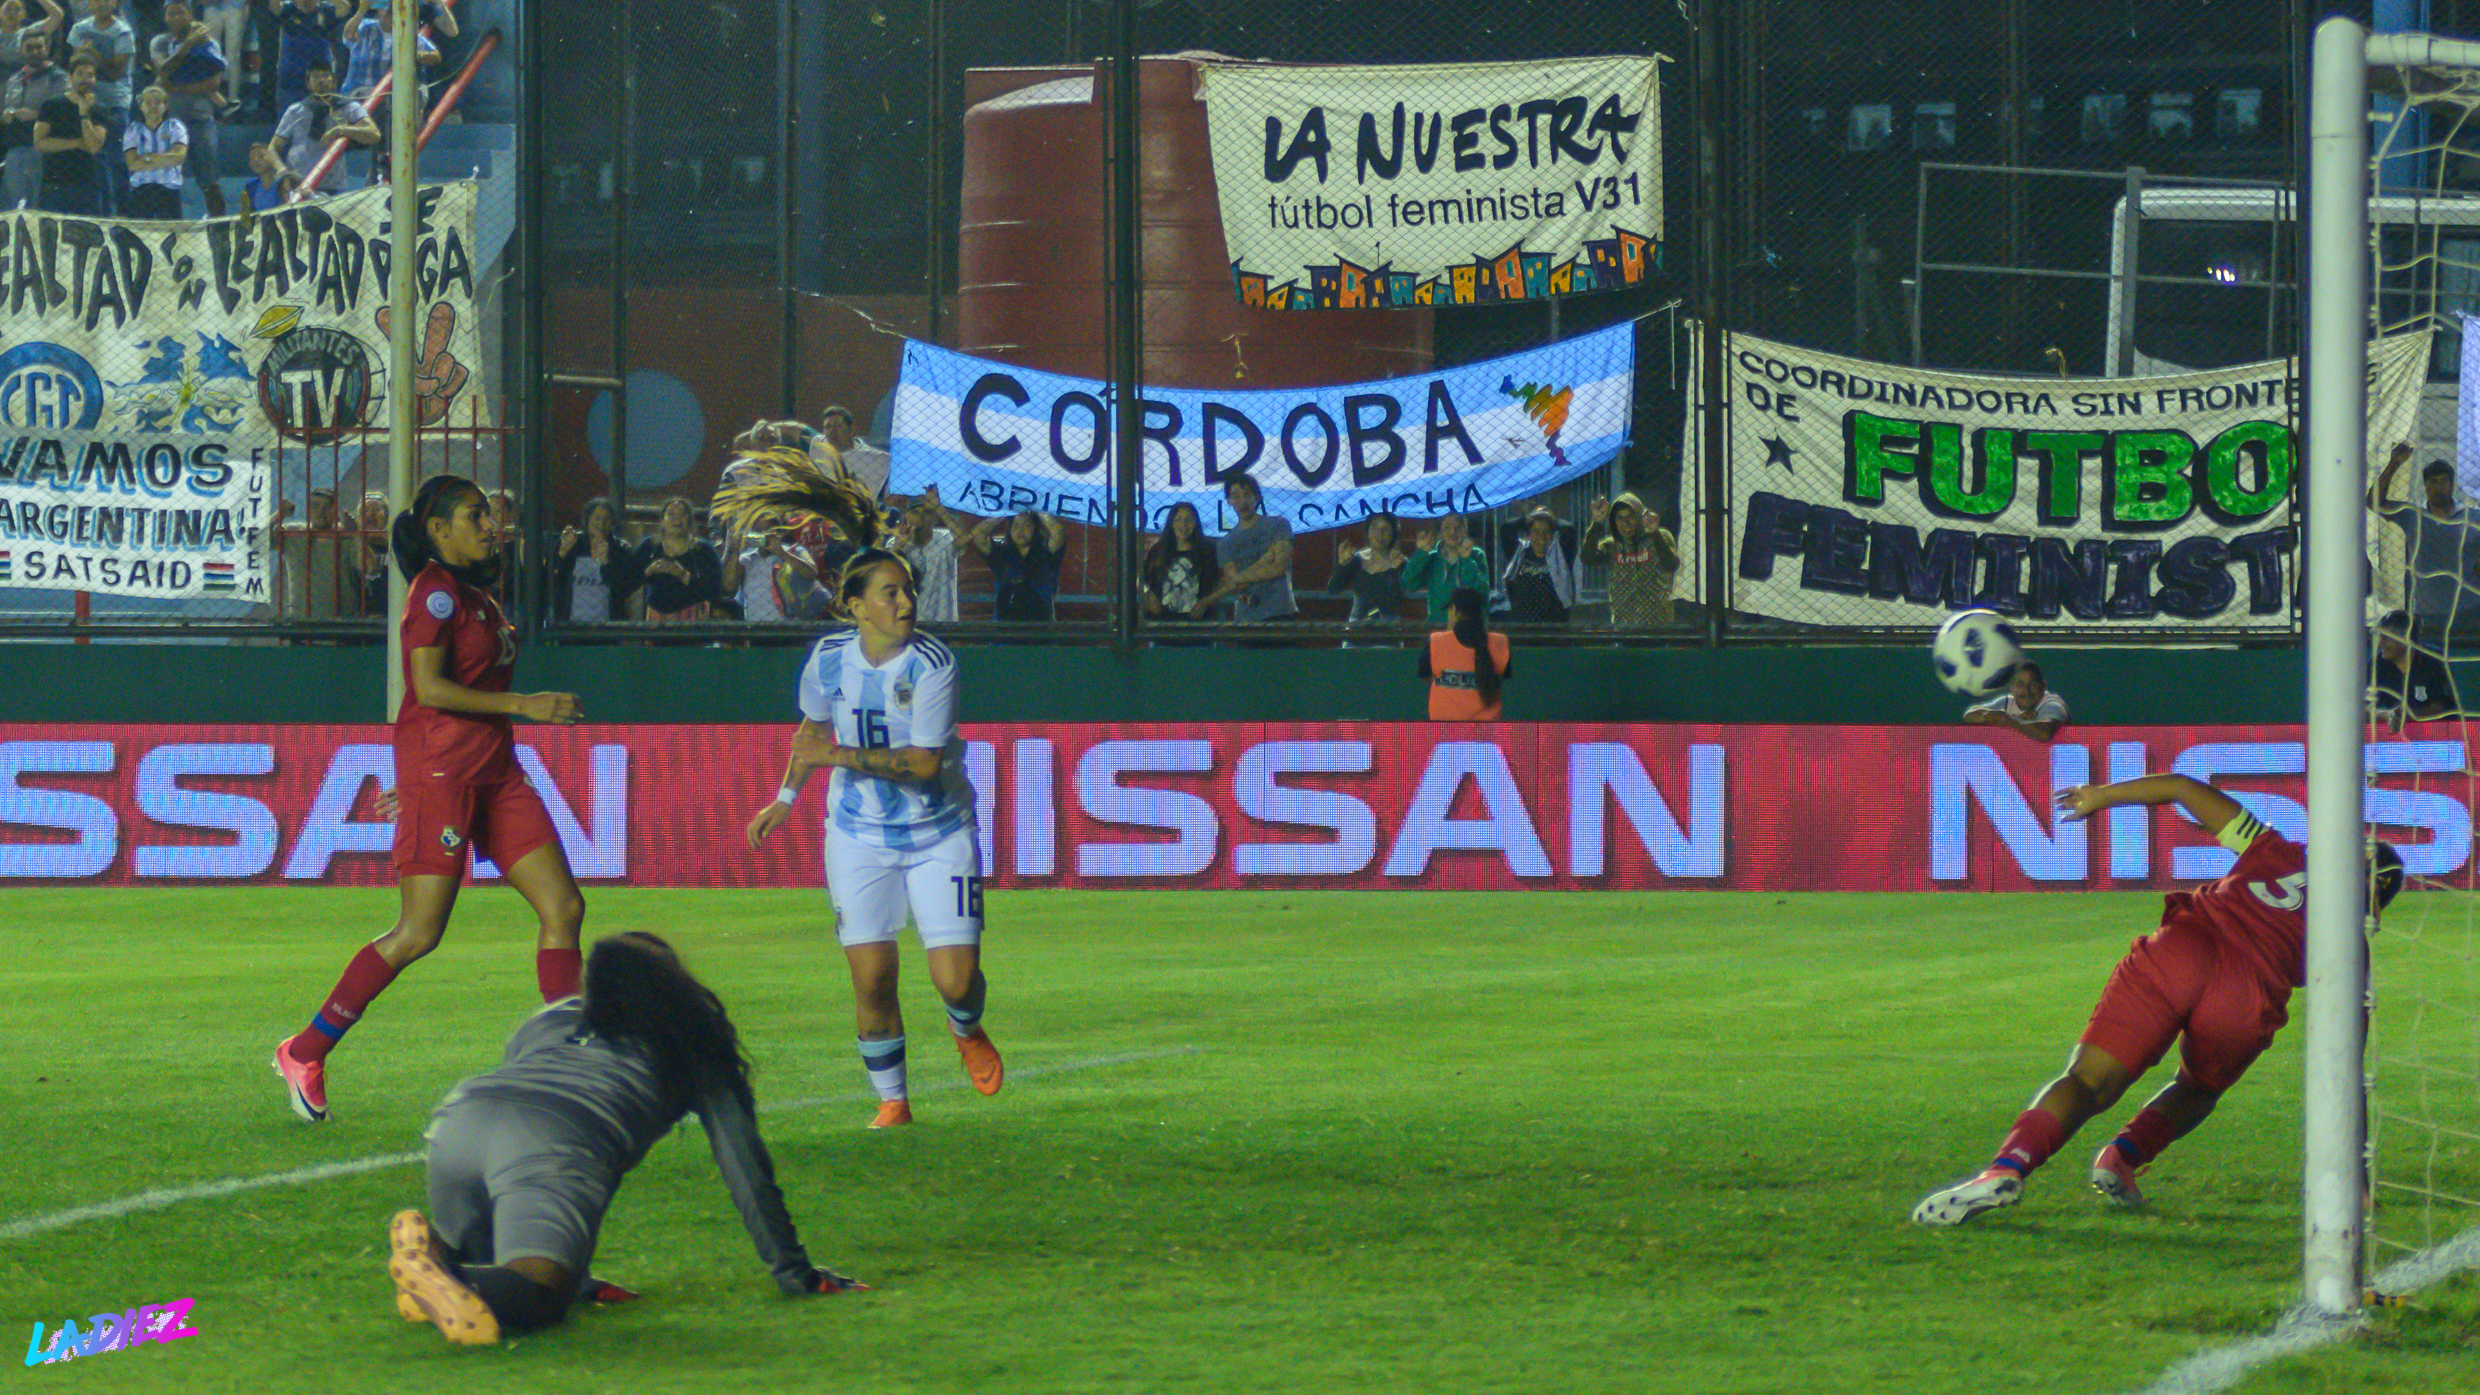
x: 1446, y: 184
x: 152, y: 372
x: 995, y: 438
x: 1867, y: 494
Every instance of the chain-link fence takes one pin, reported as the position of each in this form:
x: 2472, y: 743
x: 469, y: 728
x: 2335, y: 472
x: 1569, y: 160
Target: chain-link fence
x: 193, y: 381
x: 1431, y: 262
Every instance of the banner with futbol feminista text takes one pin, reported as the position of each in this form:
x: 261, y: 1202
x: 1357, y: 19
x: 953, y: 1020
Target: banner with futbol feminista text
x: 150, y: 373
x: 1436, y: 184
x: 995, y: 438
x: 1865, y: 494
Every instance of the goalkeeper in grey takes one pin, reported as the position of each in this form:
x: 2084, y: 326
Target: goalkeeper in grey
x: 524, y: 1160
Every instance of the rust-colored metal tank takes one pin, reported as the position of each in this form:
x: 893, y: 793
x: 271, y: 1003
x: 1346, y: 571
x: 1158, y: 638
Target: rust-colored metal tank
x: 1034, y: 245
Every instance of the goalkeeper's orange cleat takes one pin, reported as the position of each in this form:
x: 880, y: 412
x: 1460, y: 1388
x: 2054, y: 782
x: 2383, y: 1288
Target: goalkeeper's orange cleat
x: 892, y: 1113
x: 432, y: 1288
x: 981, y: 1061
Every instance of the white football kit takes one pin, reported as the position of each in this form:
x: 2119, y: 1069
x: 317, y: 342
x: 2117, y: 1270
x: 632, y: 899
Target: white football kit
x: 894, y: 845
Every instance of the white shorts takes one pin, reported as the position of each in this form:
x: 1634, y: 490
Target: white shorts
x: 874, y: 887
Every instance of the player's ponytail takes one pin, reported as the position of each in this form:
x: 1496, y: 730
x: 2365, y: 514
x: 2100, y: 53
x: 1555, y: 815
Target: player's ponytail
x: 409, y: 537
x: 637, y: 990
x: 1472, y: 629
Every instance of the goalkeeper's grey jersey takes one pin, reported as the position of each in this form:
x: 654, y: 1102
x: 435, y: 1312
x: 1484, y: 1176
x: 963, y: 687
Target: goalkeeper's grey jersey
x: 609, y: 1092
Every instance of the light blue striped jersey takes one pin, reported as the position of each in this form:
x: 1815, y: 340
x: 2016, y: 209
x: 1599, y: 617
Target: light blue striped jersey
x: 910, y: 700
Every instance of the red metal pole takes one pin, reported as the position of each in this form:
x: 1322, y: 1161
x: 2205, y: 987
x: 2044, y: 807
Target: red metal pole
x: 378, y: 93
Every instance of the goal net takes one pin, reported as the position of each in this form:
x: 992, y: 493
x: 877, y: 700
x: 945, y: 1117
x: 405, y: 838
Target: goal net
x: 2393, y: 1180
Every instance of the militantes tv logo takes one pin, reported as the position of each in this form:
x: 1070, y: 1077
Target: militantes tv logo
x: 156, y: 1322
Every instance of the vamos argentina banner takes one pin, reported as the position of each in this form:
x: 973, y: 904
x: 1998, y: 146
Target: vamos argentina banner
x: 1872, y: 495
x: 995, y: 438
x: 1450, y: 184
x: 151, y: 372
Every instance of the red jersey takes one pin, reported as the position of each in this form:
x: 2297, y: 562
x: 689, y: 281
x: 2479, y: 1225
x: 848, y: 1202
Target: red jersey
x: 2260, y: 905
x: 456, y: 748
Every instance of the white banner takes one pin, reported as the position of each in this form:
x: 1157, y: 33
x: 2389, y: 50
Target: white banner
x: 1448, y: 184
x: 1864, y: 494
x: 151, y: 372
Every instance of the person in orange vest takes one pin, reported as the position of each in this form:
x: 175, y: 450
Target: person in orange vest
x: 1466, y: 665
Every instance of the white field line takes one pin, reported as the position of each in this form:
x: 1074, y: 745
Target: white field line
x: 2225, y: 1366
x: 163, y: 1197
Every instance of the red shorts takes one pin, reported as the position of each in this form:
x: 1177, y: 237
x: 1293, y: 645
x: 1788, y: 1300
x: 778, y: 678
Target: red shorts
x: 437, y: 824
x: 2183, y: 978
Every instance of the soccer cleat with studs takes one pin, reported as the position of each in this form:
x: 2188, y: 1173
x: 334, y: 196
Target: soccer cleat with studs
x: 981, y: 1061
x: 2114, y: 1178
x: 305, y: 1082
x: 432, y: 1288
x: 1994, y: 1189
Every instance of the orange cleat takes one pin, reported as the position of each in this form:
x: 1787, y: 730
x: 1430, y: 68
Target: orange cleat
x: 2114, y: 1178
x: 433, y: 1289
x: 981, y: 1061
x: 891, y: 1113
x: 305, y: 1082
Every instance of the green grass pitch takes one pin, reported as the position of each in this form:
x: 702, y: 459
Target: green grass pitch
x: 1252, y: 1142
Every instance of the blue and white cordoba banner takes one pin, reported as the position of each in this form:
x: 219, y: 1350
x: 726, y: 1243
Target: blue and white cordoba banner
x: 1436, y: 184
x: 134, y: 514
x: 995, y: 438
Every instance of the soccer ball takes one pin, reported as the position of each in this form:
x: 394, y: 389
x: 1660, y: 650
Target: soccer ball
x: 1975, y: 653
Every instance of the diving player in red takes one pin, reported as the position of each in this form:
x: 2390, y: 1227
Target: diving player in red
x: 458, y: 786
x: 2220, y: 970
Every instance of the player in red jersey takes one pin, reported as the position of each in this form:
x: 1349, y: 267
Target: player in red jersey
x: 2219, y: 970
x: 458, y: 786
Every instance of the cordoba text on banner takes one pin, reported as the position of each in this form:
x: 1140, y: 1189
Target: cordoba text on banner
x: 996, y: 438
x: 1453, y: 184
x: 1865, y: 494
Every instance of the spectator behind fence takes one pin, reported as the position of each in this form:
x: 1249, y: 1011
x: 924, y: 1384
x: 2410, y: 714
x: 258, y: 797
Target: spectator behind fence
x: 307, y: 32
x: 114, y: 45
x: 270, y: 183
x: 1443, y: 562
x: 2442, y: 544
x: 1024, y: 563
x: 190, y: 69
x: 2407, y: 681
x: 768, y: 578
x: 1373, y: 576
x: 684, y: 576
x: 306, y: 558
x: 926, y: 540
x: 370, y: 575
x: 69, y: 137
x: 1643, y: 558
x: 1180, y: 570
x: 1540, y: 580
x: 1465, y: 665
x: 867, y: 462
x: 155, y: 146
x: 33, y: 83
x: 18, y: 19
x: 596, y: 571
x: 318, y: 121
x: 370, y: 48
x: 2027, y: 705
x: 1256, y: 555
x: 228, y: 26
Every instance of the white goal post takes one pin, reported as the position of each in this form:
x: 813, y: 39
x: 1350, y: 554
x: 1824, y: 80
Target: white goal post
x: 2335, y: 1162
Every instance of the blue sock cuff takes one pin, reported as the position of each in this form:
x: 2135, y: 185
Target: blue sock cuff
x: 319, y: 1024
x: 879, y: 1055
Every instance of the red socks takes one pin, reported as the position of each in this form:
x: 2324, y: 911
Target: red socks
x: 2037, y: 1134
x: 364, y: 979
x: 2145, y: 1136
x: 556, y: 971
